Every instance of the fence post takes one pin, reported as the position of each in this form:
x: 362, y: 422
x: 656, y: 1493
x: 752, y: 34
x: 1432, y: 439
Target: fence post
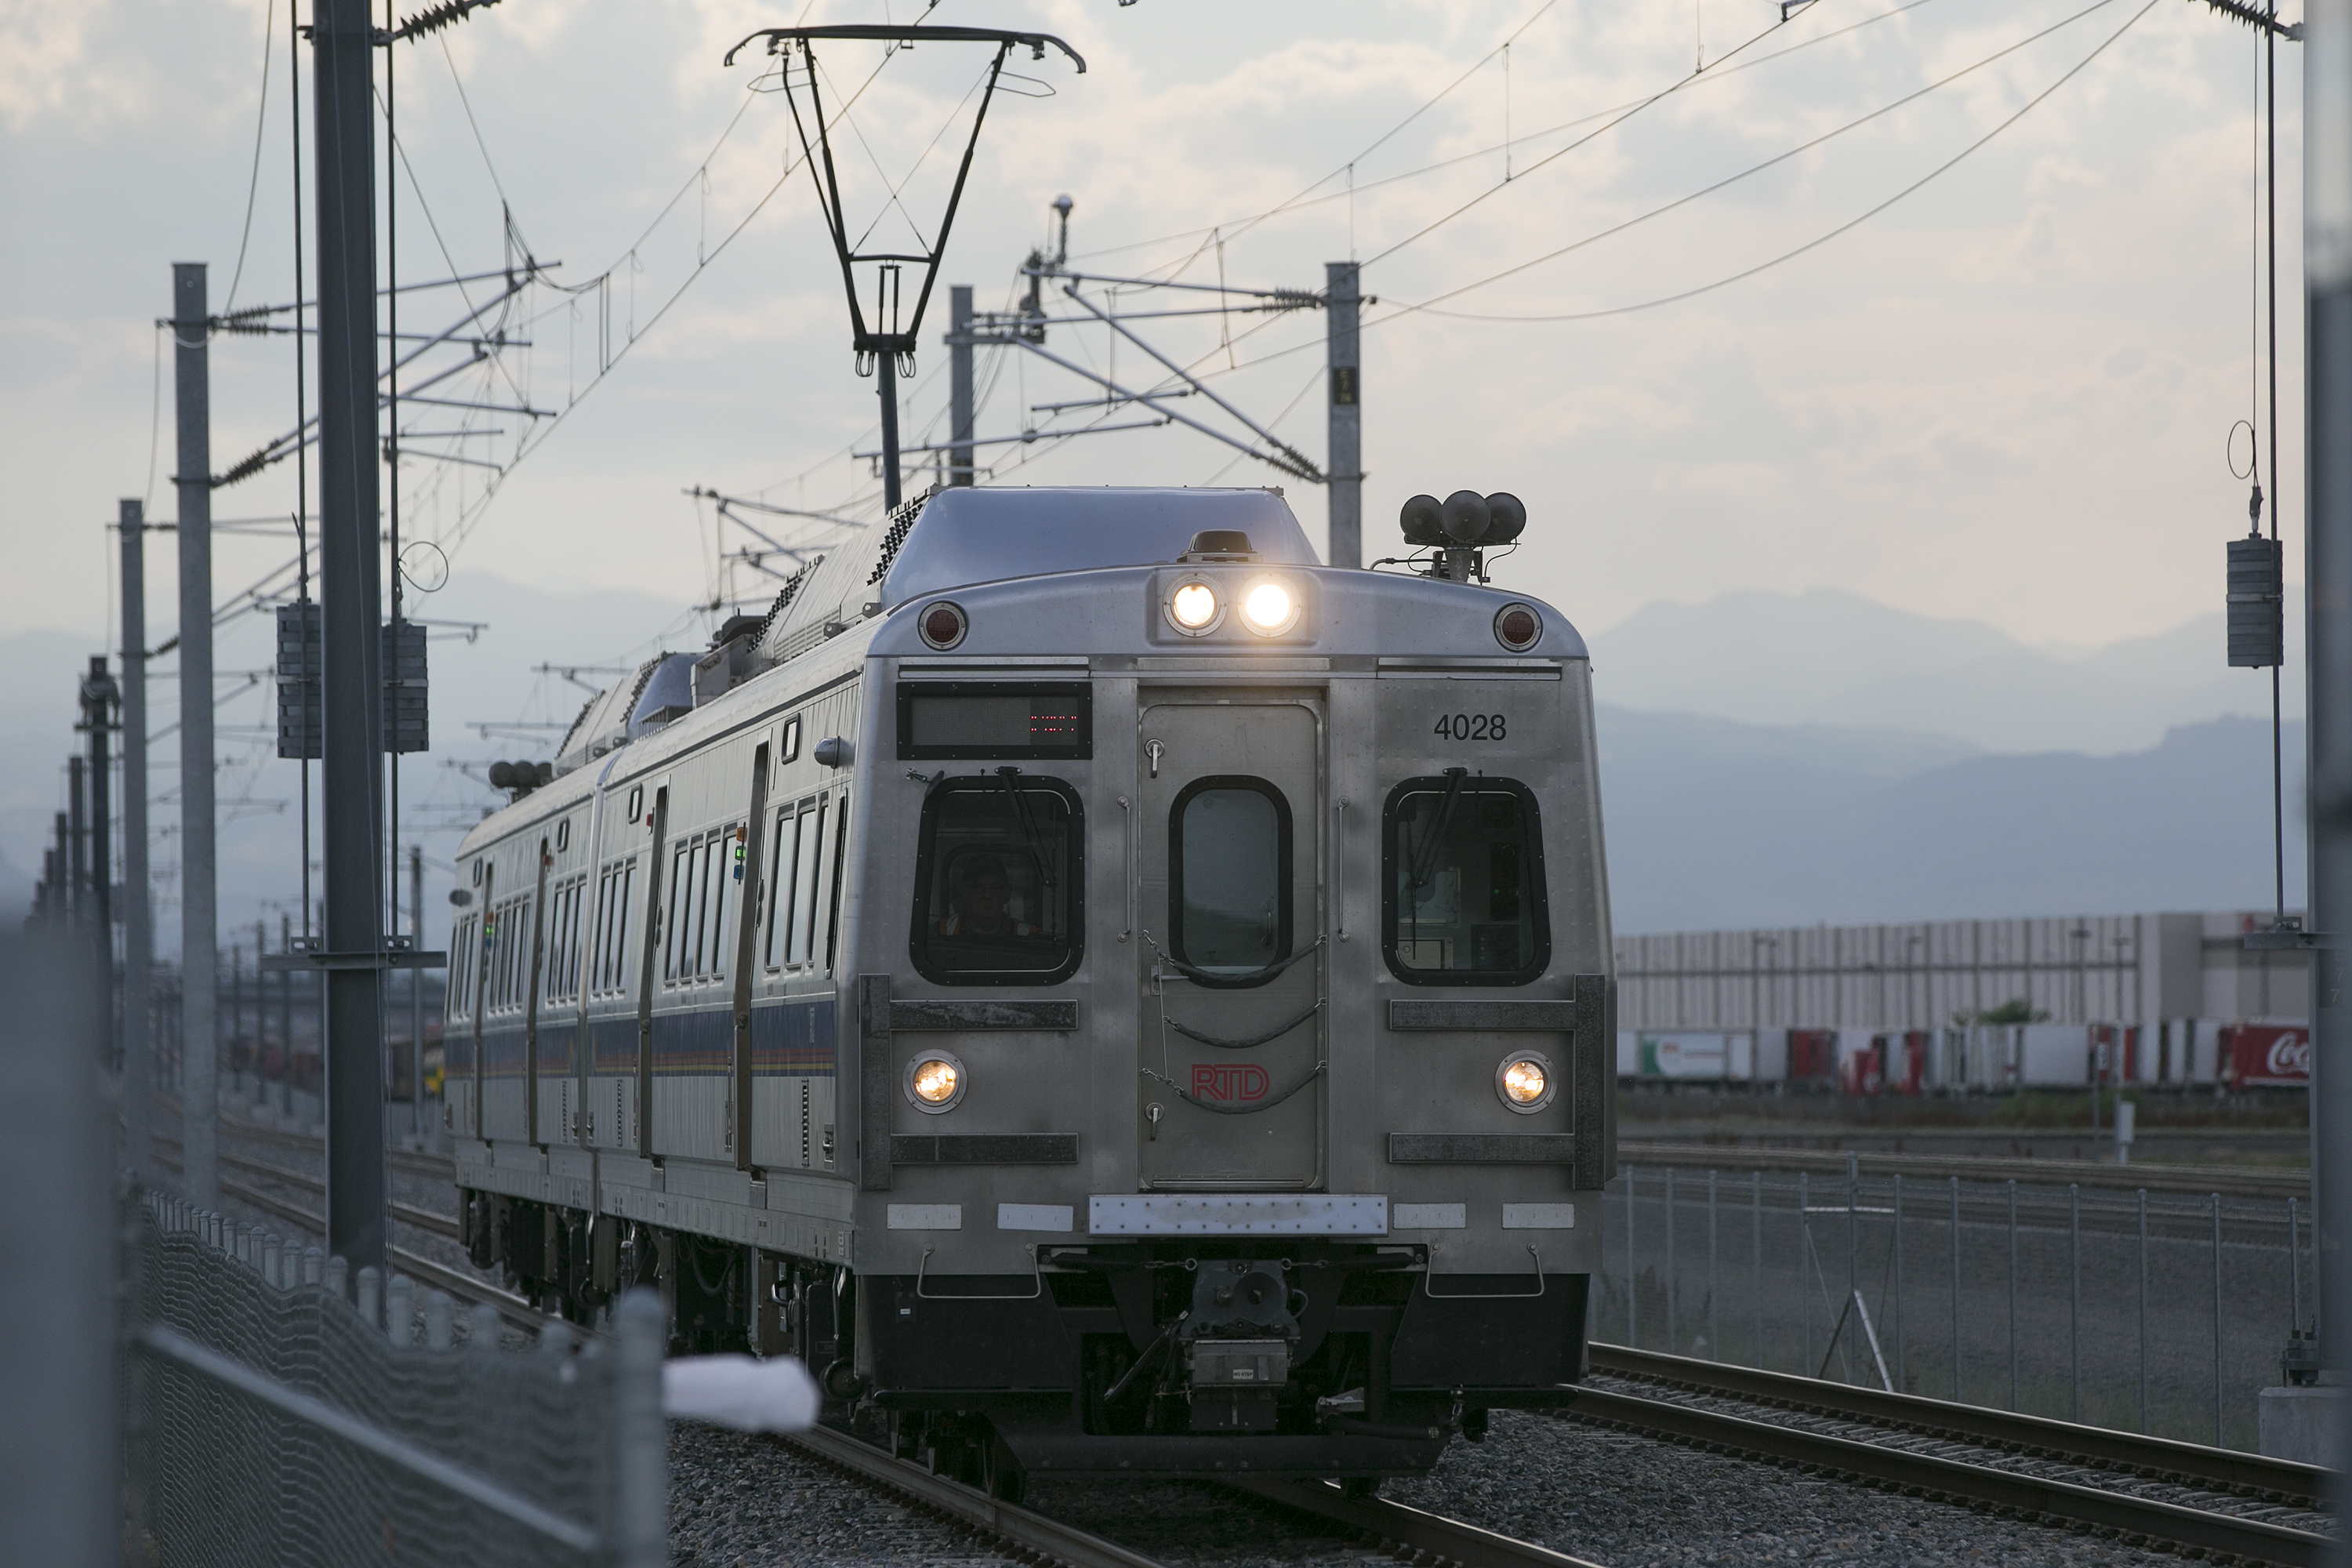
x: 1955, y: 1289
x: 1901, y: 1383
x: 2075, y: 1298
x: 2012, y: 1293
x: 400, y: 1309
x: 1714, y: 1324
x: 2217, y: 1319
x: 1756, y: 1252
x: 1804, y: 1258
x: 440, y: 1320
x: 1673, y: 1341
x: 640, y: 1518
x: 1632, y: 1280
x: 2143, y: 1309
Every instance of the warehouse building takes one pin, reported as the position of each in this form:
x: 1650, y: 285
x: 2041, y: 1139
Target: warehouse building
x: 1941, y: 1006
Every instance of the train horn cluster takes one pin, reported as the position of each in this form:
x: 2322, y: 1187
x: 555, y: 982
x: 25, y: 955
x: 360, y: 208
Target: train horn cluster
x: 1459, y: 527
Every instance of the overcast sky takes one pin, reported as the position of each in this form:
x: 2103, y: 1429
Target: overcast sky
x: 2005, y: 397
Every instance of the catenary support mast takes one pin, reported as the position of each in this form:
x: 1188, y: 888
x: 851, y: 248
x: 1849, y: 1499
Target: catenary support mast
x: 343, y: 66
x: 138, y: 909
x: 199, y: 939
x: 960, y: 384
x: 1344, y: 463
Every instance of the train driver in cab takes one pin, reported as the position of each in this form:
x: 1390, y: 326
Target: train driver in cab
x: 983, y: 893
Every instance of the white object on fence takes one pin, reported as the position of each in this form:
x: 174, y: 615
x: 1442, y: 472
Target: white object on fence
x: 773, y: 1395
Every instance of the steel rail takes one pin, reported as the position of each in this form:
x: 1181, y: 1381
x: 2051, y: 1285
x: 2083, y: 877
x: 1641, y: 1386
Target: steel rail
x: 2158, y: 1458
x: 1396, y: 1524
x: 2037, y: 1497
x: 2230, y: 1181
x: 406, y: 1214
x: 1029, y: 1532
x: 511, y: 1307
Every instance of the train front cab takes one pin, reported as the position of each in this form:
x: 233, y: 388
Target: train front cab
x: 1249, y: 1052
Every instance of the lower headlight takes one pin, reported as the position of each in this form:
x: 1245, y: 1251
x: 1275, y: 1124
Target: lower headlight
x: 935, y: 1081
x: 1524, y: 1082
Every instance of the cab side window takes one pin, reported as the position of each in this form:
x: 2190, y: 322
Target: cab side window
x: 999, y: 882
x: 1462, y: 895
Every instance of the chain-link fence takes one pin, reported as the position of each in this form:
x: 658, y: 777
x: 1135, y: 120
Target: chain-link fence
x: 2153, y: 1311
x: 271, y: 1419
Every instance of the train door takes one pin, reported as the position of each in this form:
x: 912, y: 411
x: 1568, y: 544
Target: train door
x: 477, y: 992
x: 649, y: 929
x: 1230, y: 896
x: 748, y: 904
x: 538, y: 1130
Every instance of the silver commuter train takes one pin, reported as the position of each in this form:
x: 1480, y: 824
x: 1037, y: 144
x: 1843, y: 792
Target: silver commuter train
x: 1113, y: 995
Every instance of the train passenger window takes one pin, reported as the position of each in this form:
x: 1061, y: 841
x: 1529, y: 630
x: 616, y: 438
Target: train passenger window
x: 1463, y: 882
x: 676, y: 920
x: 718, y: 857
x: 777, y: 889
x: 1229, y: 877
x: 461, y: 971
x: 808, y: 851
x: 622, y: 899
x: 563, y: 953
x: 552, y: 981
x: 999, y: 882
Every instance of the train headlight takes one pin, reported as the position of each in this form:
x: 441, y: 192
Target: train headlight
x: 1524, y: 1082
x: 935, y: 1081
x: 1194, y: 609
x: 1270, y: 609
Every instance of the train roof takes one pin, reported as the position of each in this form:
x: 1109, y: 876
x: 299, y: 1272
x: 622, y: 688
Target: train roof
x: 1018, y: 559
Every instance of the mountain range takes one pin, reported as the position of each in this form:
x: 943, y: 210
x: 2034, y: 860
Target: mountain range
x: 1766, y: 759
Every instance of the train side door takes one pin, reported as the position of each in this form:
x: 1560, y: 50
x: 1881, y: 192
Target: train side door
x: 1230, y: 892
x: 532, y: 982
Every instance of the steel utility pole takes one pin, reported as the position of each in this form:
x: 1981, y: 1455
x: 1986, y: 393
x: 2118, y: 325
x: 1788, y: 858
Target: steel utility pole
x: 959, y: 409
x: 2328, y: 582
x: 199, y: 937
x: 352, y: 956
x: 1343, y: 464
x: 417, y: 989
x: 99, y: 697
x: 138, y: 911
x: 78, y: 904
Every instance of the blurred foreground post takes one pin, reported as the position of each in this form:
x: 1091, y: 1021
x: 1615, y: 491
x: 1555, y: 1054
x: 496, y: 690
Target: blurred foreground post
x: 60, y: 1460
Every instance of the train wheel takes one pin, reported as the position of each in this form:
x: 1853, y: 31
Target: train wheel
x: 1001, y: 1476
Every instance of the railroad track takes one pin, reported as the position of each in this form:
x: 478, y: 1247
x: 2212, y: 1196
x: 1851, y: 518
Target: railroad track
x: 2230, y: 1181
x: 1408, y: 1533
x: 2214, y: 1501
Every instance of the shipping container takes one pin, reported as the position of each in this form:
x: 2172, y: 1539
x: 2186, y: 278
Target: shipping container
x: 2054, y: 1054
x: 2266, y: 1056
x: 1813, y: 1057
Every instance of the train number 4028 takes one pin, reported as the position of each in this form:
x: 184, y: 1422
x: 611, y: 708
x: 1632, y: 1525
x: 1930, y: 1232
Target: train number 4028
x: 1472, y: 727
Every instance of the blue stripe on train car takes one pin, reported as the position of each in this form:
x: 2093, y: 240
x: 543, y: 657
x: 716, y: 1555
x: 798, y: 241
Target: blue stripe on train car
x: 794, y: 1039
x: 694, y: 1043
x: 503, y: 1052
x: 555, y: 1042
x: 613, y: 1042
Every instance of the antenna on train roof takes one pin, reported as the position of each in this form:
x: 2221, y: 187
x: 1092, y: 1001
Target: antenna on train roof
x: 889, y: 342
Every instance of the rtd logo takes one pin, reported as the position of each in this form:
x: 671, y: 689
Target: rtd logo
x: 2291, y: 1055
x: 1220, y: 1081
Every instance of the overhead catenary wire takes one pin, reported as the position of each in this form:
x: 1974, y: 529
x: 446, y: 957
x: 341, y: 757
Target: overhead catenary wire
x: 253, y: 181
x: 1428, y: 307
